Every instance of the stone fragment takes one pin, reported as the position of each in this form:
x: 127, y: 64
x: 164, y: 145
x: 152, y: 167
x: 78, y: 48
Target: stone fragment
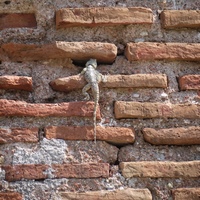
x: 10, y: 195
x: 146, y: 110
x: 17, y: 20
x: 189, y: 82
x: 161, y: 169
x: 116, y: 135
x: 186, y: 194
x: 97, y: 16
x: 162, y: 51
x: 16, y: 83
x: 77, y: 51
x: 9, y: 135
x: 173, y: 136
x: 171, y: 19
x: 125, y: 194
x: 71, y: 83
x: 70, y: 109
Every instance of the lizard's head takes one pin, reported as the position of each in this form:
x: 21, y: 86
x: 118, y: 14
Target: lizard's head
x: 92, y: 62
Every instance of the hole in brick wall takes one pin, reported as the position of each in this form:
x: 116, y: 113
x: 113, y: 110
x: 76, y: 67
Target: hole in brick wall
x: 0, y: 62
x: 7, y: 2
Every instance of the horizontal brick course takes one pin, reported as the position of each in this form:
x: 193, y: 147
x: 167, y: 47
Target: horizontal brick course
x: 173, y: 136
x: 70, y: 17
x: 125, y: 194
x: 78, y: 51
x: 171, y: 19
x: 40, y: 171
x: 116, y: 135
x: 20, y: 108
x: 189, y: 82
x: 70, y: 83
x: 9, y: 135
x: 17, y: 20
x: 162, y: 51
x: 16, y: 83
x: 10, y: 195
x: 146, y: 110
x: 186, y: 193
x: 161, y: 169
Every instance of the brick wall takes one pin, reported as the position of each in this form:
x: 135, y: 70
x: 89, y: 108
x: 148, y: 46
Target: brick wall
x: 148, y: 117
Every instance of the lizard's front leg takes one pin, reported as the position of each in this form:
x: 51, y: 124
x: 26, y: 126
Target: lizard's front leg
x: 84, y: 91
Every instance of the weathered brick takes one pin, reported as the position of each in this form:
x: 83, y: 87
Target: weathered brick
x: 85, y: 170
x: 128, y: 109
x: 116, y: 135
x: 171, y: 19
x: 19, y: 172
x: 71, y: 83
x: 125, y: 194
x: 189, y: 82
x: 161, y: 169
x: 96, y: 16
x: 16, y: 83
x: 10, y: 195
x: 173, y: 136
x: 78, y: 51
x: 20, y: 108
x: 163, y: 51
x: 8, y: 135
x: 186, y: 194
x: 17, y: 20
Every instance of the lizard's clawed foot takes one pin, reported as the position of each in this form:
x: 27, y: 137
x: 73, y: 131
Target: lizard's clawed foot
x: 87, y: 98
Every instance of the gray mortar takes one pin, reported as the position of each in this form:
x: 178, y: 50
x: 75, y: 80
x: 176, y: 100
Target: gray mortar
x: 42, y: 72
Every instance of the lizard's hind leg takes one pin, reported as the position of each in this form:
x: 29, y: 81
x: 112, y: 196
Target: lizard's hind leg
x: 84, y: 91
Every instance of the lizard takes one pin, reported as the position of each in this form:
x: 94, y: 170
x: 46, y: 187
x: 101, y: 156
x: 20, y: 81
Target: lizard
x: 93, y: 78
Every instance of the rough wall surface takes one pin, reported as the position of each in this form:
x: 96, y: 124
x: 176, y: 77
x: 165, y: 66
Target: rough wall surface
x: 148, y: 136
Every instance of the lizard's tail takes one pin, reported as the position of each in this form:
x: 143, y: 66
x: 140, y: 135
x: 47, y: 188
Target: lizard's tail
x: 95, y: 121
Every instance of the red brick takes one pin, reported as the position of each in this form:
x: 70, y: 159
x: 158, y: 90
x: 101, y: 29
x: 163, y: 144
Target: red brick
x: 161, y: 169
x: 125, y: 194
x: 163, y: 51
x: 70, y: 17
x: 9, y: 135
x: 87, y: 170
x: 189, y: 82
x: 78, y: 51
x: 17, y: 20
x: 71, y: 83
x: 116, y: 135
x: 171, y: 19
x: 19, y: 172
x: 20, y: 108
x: 16, y: 83
x: 10, y: 196
x: 186, y: 194
x: 173, y: 136
x: 146, y: 110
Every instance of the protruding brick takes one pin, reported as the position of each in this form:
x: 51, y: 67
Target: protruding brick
x: 70, y: 109
x: 162, y: 51
x: 8, y: 135
x: 70, y: 17
x: 16, y: 83
x: 173, y: 136
x: 161, y: 169
x: 171, y: 19
x: 17, y: 20
x: 10, y: 196
x: 186, y: 194
x: 71, y: 83
x: 146, y: 110
x: 125, y: 194
x: 116, y: 135
x: 19, y: 172
x: 77, y: 51
x: 189, y: 82
x: 84, y: 170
